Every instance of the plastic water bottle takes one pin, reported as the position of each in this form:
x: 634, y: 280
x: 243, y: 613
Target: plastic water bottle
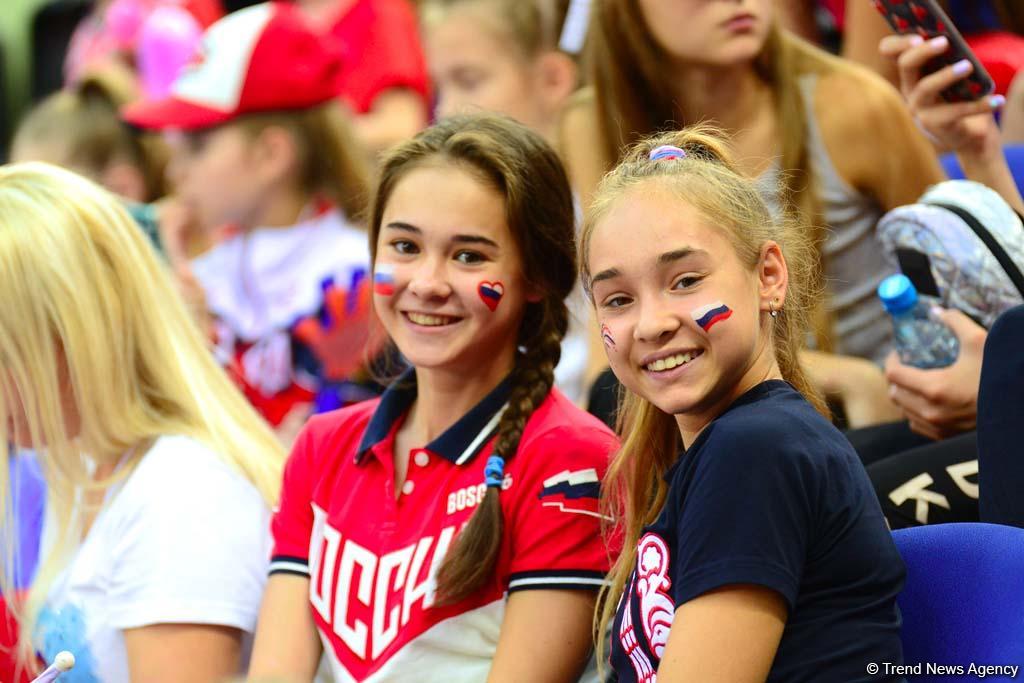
x: 921, y: 339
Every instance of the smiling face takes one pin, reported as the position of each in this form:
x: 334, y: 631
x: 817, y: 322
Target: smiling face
x: 449, y: 289
x: 715, y: 32
x: 686, y: 318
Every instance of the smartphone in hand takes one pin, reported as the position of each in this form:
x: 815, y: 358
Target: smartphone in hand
x: 926, y: 19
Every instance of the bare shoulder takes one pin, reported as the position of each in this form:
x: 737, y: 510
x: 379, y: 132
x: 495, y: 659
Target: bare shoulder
x: 863, y: 119
x: 851, y: 101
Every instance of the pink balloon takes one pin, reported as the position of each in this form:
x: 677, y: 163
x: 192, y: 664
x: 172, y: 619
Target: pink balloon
x: 168, y: 40
x: 123, y: 20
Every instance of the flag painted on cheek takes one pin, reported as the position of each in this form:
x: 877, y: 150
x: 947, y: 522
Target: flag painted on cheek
x: 491, y: 293
x: 384, y: 280
x: 607, y: 338
x: 706, y: 316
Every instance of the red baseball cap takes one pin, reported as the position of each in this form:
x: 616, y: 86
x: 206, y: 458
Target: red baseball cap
x: 261, y: 58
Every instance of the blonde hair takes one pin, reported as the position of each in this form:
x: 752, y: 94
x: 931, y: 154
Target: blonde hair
x: 634, y: 99
x: 88, y: 305
x: 82, y: 127
x: 331, y: 162
x: 706, y: 179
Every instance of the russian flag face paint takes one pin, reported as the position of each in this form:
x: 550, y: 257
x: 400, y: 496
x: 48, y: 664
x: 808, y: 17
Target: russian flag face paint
x: 706, y: 316
x: 384, y: 280
x: 607, y: 338
x: 491, y: 293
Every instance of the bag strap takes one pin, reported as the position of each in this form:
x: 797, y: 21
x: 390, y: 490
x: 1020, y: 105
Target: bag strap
x: 1009, y: 267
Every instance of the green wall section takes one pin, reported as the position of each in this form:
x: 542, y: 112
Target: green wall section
x: 16, y: 31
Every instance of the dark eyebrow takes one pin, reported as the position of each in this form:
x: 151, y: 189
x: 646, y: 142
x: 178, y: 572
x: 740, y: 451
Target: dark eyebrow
x: 459, y: 239
x: 676, y: 254
x: 475, y: 239
x: 398, y: 225
x: 605, y: 275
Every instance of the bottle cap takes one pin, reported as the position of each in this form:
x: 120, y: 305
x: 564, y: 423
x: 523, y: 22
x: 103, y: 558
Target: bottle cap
x: 897, y: 294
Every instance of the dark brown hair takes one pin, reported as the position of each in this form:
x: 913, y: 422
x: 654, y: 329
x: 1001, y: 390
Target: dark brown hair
x: 539, y: 210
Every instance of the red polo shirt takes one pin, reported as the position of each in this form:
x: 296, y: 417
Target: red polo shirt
x: 372, y: 553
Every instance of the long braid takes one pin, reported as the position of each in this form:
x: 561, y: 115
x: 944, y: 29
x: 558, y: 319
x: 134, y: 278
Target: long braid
x: 519, y: 164
x: 470, y: 563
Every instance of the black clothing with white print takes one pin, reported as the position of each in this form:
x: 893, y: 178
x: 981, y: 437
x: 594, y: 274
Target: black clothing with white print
x: 770, y: 494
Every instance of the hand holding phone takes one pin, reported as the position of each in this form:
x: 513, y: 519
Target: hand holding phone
x: 926, y: 19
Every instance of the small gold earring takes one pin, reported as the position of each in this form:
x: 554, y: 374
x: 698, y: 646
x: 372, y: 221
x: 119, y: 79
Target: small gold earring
x: 771, y: 309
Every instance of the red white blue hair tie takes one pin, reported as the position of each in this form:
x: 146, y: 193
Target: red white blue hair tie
x: 666, y: 152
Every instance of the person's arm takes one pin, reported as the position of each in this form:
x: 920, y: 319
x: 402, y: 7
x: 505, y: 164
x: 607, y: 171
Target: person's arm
x: 1013, y: 114
x: 287, y: 646
x: 863, y: 28
x: 872, y: 138
x: 396, y: 115
x: 545, y: 637
x: 942, y: 402
x: 857, y: 383
x: 177, y: 653
x: 967, y: 128
x: 729, y: 634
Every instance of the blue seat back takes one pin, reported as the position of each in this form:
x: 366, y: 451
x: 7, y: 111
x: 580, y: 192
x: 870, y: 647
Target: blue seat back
x: 964, y: 597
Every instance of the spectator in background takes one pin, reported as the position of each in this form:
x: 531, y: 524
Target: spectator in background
x: 502, y: 56
x: 383, y: 72
x: 159, y: 477
x: 260, y: 142
x: 828, y: 141
x: 80, y: 129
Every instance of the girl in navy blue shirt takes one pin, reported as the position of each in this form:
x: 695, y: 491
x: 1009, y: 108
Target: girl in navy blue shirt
x: 754, y: 545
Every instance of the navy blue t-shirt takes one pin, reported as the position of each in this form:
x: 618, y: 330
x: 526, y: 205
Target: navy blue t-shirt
x: 773, y: 495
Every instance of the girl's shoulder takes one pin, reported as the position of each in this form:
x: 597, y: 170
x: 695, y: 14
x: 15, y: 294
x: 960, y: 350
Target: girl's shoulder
x: 181, y: 478
x: 777, y: 426
x: 851, y: 101
x: 338, y: 431
x: 185, y: 466
x: 558, y: 423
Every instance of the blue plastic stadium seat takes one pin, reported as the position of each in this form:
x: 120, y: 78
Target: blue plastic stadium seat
x: 964, y: 598
x: 1014, y: 158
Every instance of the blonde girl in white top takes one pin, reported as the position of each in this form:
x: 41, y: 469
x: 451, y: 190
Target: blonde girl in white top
x: 160, y: 477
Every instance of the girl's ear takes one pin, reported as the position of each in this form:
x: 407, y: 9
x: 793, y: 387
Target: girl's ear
x: 558, y: 77
x: 126, y: 180
x: 275, y: 152
x: 773, y: 277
